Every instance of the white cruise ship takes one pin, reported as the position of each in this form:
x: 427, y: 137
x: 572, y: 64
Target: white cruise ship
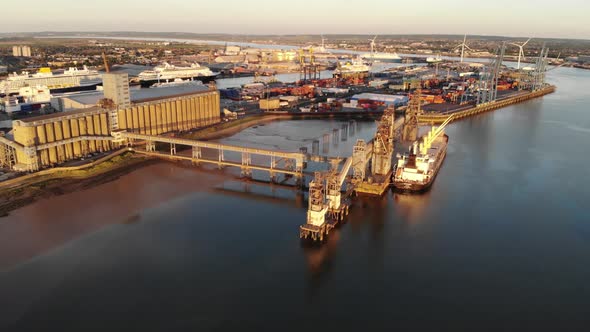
x: 72, y: 79
x: 169, y: 73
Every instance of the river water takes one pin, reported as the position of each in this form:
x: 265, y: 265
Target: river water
x: 501, y: 242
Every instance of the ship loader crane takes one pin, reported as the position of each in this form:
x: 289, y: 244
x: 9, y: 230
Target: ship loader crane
x: 106, y: 63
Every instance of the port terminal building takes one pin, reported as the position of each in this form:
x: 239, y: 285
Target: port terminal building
x: 88, y: 126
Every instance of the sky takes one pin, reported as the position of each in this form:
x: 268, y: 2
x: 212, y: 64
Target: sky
x: 515, y: 18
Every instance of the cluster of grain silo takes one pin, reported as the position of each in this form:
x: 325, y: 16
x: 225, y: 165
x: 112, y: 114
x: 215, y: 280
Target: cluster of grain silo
x: 56, y: 138
x: 60, y: 137
x: 178, y: 113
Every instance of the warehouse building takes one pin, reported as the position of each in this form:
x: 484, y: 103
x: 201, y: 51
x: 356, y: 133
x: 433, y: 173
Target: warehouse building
x: 52, y: 139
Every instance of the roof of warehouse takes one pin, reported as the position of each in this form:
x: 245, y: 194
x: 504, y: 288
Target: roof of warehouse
x: 137, y: 96
x: 87, y: 98
x: 143, y: 95
x: 60, y: 114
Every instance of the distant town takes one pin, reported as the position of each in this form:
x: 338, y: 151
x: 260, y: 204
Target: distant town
x: 21, y: 52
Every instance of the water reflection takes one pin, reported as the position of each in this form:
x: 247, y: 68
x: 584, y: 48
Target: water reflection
x: 262, y: 191
x: 411, y: 208
x: 320, y: 261
x: 52, y: 222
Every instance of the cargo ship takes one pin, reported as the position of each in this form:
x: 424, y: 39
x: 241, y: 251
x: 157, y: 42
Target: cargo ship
x: 169, y: 73
x: 417, y: 169
x: 71, y: 80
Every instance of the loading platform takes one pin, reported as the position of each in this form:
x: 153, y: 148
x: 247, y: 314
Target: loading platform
x: 376, y: 186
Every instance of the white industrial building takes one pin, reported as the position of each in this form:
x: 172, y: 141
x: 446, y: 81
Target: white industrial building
x: 20, y: 51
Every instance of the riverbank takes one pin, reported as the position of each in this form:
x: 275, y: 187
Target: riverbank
x: 22, y: 191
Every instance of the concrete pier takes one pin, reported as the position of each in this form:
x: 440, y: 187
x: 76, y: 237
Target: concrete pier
x: 491, y: 106
x: 293, y: 163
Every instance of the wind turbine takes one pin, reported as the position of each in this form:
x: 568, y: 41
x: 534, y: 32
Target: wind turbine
x: 463, y: 45
x: 521, y: 50
x: 373, y: 44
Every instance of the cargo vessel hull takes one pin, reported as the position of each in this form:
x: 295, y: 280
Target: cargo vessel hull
x: 414, y: 187
x: 386, y: 60
x: 421, y: 182
x: 89, y: 87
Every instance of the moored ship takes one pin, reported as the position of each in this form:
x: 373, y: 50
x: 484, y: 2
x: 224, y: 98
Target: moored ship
x: 382, y: 57
x: 177, y: 82
x: 375, y: 56
x: 417, y: 169
x: 169, y: 73
x: 356, y: 67
x: 436, y: 59
x: 72, y: 79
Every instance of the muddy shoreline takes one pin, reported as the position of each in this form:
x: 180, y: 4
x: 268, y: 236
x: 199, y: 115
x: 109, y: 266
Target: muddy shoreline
x: 30, y: 192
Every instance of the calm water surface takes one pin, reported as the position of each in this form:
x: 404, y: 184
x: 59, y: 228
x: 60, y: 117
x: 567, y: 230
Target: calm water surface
x: 501, y: 242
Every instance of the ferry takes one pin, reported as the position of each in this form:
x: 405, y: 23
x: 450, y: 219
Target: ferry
x: 374, y: 56
x: 382, y: 57
x: 72, y: 79
x: 354, y: 67
x: 169, y: 73
x: 417, y: 169
x: 436, y: 59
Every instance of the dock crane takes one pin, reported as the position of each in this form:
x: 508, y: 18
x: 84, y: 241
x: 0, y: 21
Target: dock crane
x: 326, y: 208
x: 106, y: 63
x: 433, y: 134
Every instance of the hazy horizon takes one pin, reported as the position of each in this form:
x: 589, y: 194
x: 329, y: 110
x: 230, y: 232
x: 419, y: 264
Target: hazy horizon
x: 110, y: 33
x: 527, y: 18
